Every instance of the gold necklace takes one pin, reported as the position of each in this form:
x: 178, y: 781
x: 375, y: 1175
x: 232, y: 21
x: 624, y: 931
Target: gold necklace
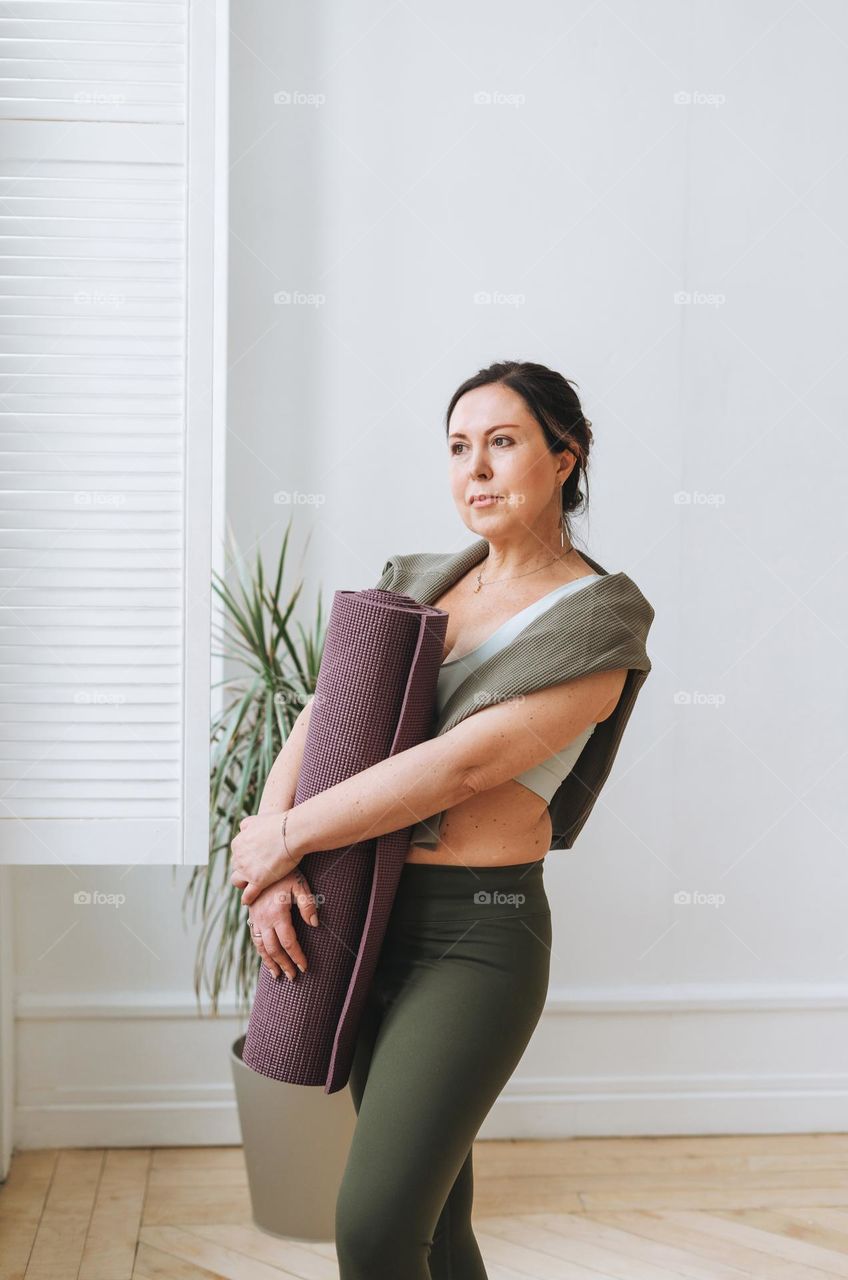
x: 481, y: 583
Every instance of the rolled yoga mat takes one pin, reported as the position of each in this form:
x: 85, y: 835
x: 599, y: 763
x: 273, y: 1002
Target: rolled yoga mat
x: 375, y: 696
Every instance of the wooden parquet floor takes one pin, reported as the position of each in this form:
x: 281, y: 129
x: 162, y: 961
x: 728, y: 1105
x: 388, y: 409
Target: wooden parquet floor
x: 704, y: 1208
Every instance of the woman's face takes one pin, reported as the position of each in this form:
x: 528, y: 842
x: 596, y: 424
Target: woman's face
x: 496, y: 447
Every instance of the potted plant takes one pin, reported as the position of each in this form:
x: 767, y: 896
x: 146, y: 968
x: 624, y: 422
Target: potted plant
x: 284, y: 1127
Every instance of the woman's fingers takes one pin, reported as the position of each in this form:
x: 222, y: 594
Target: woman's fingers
x: 259, y: 943
x: 280, y: 938
x: 287, y: 948
x: 276, y: 955
x: 279, y: 945
x: 264, y: 939
x: 304, y: 897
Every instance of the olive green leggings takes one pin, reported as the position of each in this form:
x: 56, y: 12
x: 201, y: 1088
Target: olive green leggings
x: 459, y: 987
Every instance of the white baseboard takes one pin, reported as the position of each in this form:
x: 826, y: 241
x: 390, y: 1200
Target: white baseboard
x: 102, y: 1122
x: 133, y: 1068
x: 651, y: 1106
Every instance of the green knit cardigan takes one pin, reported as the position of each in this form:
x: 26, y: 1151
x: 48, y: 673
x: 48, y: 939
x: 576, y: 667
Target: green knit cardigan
x: 602, y: 626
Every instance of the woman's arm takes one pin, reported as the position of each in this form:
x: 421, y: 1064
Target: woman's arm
x: 483, y: 750
x: 281, y: 783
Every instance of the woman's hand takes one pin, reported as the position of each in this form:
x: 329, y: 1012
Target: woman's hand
x: 270, y: 917
x: 259, y: 857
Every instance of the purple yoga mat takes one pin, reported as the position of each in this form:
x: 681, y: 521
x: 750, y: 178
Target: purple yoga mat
x: 375, y: 696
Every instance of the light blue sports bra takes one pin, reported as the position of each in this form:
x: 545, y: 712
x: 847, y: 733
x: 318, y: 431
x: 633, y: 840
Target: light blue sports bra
x: 545, y: 778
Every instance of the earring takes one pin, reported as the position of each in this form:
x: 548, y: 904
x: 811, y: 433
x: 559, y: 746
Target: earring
x: 561, y: 532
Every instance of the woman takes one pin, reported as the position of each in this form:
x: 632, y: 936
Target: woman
x: 463, y: 971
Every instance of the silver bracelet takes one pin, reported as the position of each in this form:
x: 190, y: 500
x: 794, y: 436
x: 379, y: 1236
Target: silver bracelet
x: 285, y: 846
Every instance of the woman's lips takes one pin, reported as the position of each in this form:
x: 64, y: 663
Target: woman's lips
x: 484, y: 502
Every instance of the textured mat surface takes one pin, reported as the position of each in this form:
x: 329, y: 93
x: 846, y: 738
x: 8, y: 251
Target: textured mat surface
x: 375, y: 696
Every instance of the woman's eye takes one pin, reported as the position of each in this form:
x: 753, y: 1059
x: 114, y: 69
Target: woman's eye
x: 460, y: 445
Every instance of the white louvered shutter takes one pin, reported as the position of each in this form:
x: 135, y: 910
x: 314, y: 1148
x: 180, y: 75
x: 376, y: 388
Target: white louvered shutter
x: 112, y: 172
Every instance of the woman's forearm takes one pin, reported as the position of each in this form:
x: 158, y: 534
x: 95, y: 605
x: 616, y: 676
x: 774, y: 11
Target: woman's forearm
x: 281, y: 783
x: 390, y: 795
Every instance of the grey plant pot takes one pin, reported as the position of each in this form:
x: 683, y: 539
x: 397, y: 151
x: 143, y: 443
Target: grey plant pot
x: 296, y: 1139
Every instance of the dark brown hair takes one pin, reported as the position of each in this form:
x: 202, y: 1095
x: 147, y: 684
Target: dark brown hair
x: 553, y: 402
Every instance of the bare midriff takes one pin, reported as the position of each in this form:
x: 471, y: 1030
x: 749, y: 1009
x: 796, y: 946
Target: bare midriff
x: 505, y: 825
x: 509, y: 823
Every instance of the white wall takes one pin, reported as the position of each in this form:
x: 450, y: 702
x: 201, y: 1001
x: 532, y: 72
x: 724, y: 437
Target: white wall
x: 598, y: 198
